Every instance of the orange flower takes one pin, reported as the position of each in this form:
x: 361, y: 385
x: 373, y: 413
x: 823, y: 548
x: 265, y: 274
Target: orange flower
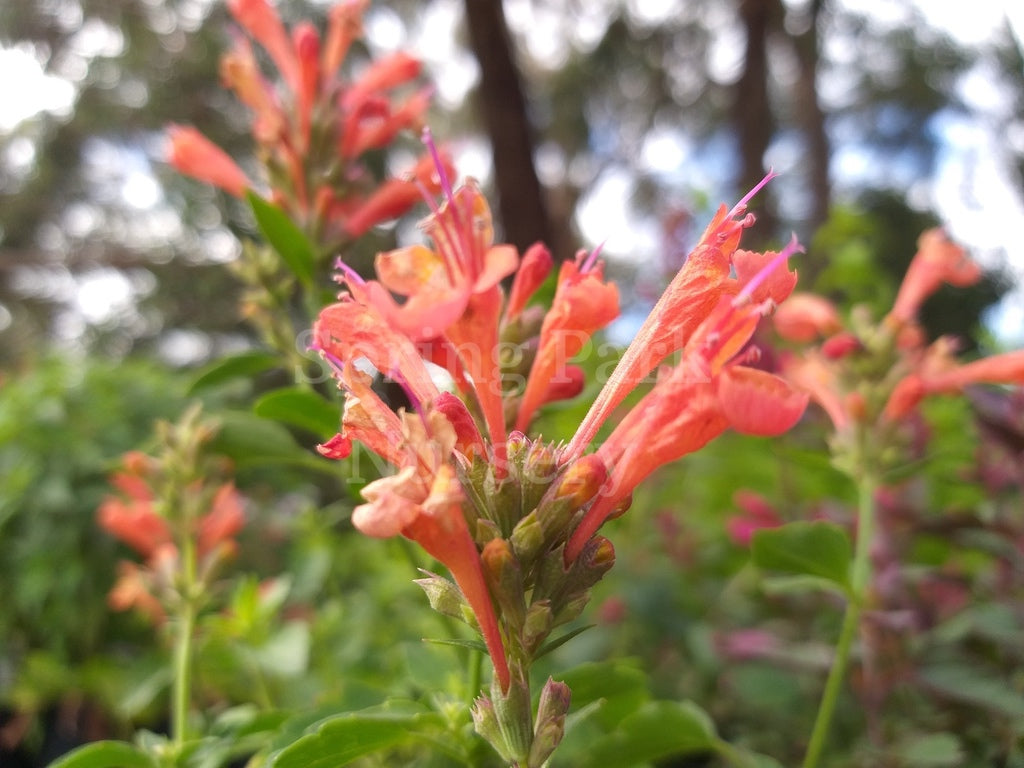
x: 705, y: 394
x: 423, y: 500
x: 195, y: 155
x: 224, y: 519
x: 806, y: 317
x: 938, y: 260
x: 583, y: 303
x: 260, y: 20
x: 693, y: 293
x: 134, y: 521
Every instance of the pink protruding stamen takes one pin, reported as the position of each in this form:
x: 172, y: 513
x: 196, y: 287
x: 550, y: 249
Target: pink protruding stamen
x: 591, y: 261
x: 446, y: 185
x: 793, y: 246
x: 349, y: 275
x: 741, y: 206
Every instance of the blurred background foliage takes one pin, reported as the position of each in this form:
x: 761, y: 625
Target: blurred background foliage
x: 633, y: 120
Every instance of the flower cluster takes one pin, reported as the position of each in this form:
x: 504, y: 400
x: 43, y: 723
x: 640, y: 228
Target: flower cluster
x: 513, y: 518
x: 312, y: 127
x: 182, y: 533
x: 877, y: 374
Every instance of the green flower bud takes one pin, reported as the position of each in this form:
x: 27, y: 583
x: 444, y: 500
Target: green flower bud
x: 514, y: 717
x: 537, y: 626
x: 505, y: 580
x: 551, y: 711
x: 485, y: 721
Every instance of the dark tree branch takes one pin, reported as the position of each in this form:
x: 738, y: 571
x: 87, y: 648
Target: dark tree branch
x: 522, y: 206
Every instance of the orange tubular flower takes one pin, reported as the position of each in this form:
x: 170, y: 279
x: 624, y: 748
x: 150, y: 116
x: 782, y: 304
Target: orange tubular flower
x: 938, y: 260
x: 692, y: 294
x: 423, y: 500
x: 261, y: 21
x: 709, y: 391
x: 806, y: 317
x: 194, y: 155
x: 583, y: 304
x: 225, y: 519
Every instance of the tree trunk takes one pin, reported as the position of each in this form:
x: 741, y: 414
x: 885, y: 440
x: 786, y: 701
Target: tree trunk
x: 521, y: 204
x: 812, y: 119
x: 752, y: 114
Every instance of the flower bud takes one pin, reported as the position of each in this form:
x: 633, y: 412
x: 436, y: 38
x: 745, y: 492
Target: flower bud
x: 581, y: 481
x: 528, y: 538
x: 505, y: 579
x: 537, y: 626
x: 514, y: 718
x: 550, y: 727
x: 485, y: 721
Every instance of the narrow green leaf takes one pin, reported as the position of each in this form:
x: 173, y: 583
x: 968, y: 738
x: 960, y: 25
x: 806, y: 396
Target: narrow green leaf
x: 285, y: 237
x: 657, y: 730
x: 300, y: 408
x: 971, y: 685
x: 105, y: 754
x: 339, y: 740
x: 558, y: 642
x: 475, y: 645
x: 243, y: 365
x: 805, y: 549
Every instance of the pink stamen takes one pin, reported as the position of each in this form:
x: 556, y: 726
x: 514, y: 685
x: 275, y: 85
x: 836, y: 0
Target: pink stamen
x: 591, y: 261
x: 744, y: 295
x: 446, y: 185
x: 741, y: 206
x: 448, y: 266
x: 349, y: 275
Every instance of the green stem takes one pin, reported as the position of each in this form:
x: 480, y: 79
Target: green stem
x: 860, y: 579
x: 181, y: 694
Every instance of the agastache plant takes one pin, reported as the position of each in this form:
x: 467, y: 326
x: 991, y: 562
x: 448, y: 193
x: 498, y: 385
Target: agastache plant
x: 870, y: 379
x: 312, y: 127
x: 513, y: 518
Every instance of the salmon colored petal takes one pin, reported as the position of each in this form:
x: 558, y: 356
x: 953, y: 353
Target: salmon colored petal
x: 192, y: 154
x: 938, y: 260
x: 499, y: 262
x: 904, y: 398
x: 442, y: 531
x: 804, y: 317
x: 777, y: 285
x: 261, y: 20
x: 583, y: 304
x: 347, y: 330
x: 225, y: 518
x: 1007, y: 368
x: 757, y: 402
x: 407, y: 270
x: 393, y: 504
x: 533, y: 271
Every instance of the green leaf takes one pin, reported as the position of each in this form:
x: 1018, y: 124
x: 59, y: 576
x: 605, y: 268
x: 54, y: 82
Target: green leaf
x: 300, y: 408
x: 339, y: 740
x: 805, y: 549
x: 285, y: 237
x: 105, y: 754
x: 243, y: 365
x: 620, y: 688
x: 251, y: 440
x: 933, y: 749
x: 657, y: 730
x: 971, y: 685
x: 558, y: 642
